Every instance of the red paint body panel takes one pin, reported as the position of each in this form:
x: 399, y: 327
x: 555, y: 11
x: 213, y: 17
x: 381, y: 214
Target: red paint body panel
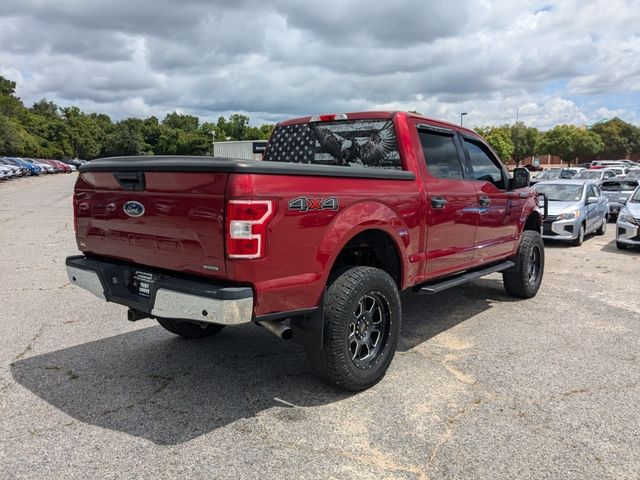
x: 183, y: 226
x: 302, y: 246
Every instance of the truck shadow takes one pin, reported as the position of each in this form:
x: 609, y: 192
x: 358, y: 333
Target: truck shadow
x: 150, y: 384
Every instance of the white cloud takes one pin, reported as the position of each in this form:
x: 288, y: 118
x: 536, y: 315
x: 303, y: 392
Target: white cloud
x: 558, y: 62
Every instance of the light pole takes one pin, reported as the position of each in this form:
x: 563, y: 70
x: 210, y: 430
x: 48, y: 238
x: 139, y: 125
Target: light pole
x: 462, y: 114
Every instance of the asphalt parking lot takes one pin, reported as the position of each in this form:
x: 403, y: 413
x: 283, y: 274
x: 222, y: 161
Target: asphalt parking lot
x: 482, y: 387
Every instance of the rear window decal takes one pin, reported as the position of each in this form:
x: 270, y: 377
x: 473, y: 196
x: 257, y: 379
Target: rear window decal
x: 356, y: 143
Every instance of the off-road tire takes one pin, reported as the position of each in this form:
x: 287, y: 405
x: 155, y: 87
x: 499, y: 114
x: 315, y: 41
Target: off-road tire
x: 336, y: 363
x: 524, y: 281
x: 190, y: 330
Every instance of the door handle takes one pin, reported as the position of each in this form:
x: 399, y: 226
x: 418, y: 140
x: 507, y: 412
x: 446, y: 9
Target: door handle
x: 484, y: 201
x: 438, y: 202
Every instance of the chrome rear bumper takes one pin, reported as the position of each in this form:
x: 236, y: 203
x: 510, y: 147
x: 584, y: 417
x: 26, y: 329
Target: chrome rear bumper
x: 168, y: 296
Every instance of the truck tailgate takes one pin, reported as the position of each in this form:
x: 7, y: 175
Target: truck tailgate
x: 170, y: 220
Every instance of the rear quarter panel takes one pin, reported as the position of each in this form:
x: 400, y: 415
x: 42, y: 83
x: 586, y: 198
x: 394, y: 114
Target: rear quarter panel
x: 302, y: 245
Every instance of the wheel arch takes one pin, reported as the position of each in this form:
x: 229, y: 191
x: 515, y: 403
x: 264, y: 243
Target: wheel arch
x: 367, y: 234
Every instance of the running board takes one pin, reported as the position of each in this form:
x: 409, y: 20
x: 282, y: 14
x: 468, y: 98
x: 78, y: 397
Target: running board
x: 462, y: 279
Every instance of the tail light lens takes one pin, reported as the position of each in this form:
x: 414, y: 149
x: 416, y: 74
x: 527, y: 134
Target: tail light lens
x: 247, y: 222
x: 75, y: 213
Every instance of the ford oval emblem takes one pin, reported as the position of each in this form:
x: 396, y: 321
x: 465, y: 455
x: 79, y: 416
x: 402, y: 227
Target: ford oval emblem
x: 133, y: 209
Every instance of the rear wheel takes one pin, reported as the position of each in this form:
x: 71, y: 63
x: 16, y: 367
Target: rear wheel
x: 603, y: 228
x: 187, y: 329
x: 525, y: 281
x: 361, y: 330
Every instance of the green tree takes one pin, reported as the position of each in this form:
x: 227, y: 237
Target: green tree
x: 126, y: 138
x: 188, y: 123
x: 46, y: 108
x: 7, y: 87
x: 235, y: 128
x: 500, y: 140
x: 524, y: 140
x: 620, y: 138
x: 569, y: 142
x: 11, y: 141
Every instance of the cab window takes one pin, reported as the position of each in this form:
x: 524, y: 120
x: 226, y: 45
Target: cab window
x: 484, y: 165
x: 440, y: 154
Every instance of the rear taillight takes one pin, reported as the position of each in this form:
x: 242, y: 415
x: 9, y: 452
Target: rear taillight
x: 247, y: 222
x: 75, y: 213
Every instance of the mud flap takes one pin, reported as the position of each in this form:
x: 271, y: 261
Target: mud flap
x: 308, y: 330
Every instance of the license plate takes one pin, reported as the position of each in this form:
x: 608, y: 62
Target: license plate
x: 142, y: 283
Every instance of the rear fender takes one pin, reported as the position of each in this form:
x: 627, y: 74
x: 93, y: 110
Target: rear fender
x: 359, y: 218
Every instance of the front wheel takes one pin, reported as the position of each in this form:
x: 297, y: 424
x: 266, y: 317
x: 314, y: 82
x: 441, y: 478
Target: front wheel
x: 361, y: 330
x: 621, y: 246
x: 525, y: 280
x: 580, y: 238
x: 191, y: 330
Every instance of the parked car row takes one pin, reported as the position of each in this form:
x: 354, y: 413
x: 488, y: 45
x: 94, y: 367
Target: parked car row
x: 628, y: 223
x: 11, y: 167
x: 575, y: 208
x: 579, y: 206
x: 616, y: 183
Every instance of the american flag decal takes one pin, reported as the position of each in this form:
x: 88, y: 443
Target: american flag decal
x: 356, y: 143
x: 293, y: 143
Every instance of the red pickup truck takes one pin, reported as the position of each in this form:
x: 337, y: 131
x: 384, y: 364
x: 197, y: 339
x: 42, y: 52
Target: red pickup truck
x: 313, y: 243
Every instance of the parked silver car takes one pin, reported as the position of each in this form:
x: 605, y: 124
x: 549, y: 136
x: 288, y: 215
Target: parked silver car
x: 598, y: 175
x: 633, y: 174
x: 617, y: 192
x: 628, y: 223
x: 575, y: 208
x: 6, y: 173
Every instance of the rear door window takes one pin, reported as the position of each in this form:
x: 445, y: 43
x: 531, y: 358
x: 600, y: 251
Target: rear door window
x: 611, y: 186
x: 440, y: 154
x: 346, y: 143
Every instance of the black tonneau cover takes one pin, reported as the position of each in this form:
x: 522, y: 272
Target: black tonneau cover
x: 171, y: 163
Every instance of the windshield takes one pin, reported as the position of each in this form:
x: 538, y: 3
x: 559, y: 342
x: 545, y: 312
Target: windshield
x: 633, y: 174
x: 636, y: 196
x: 610, y: 187
x: 560, y: 192
x: 353, y: 143
x: 588, y: 174
x: 548, y: 175
x: 628, y: 185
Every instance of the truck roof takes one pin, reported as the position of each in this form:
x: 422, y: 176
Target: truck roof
x: 384, y: 114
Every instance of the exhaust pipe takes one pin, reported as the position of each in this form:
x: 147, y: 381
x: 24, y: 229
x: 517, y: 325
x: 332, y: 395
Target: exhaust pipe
x: 278, y: 328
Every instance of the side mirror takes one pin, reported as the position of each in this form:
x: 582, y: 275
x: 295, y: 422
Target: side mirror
x: 591, y: 200
x: 521, y: 178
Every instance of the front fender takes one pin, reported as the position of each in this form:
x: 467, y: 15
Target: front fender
x: 358, y: 218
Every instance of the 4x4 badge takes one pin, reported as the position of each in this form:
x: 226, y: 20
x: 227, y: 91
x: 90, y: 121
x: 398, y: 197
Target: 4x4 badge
x: 305, y: 204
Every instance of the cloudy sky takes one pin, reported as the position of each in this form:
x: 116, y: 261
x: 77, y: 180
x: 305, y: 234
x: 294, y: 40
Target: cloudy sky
x: 566, y: 61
